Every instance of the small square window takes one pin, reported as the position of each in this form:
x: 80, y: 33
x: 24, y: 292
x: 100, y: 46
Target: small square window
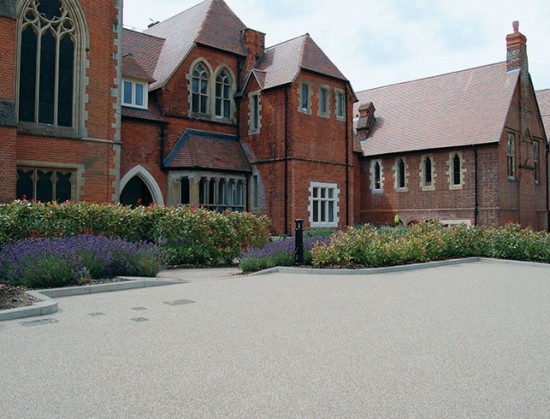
x: 134, y: 94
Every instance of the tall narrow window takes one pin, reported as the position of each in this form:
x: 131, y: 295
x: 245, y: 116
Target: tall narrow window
x: 185, y: 191
x: 255, y: 193
x: 340, y: 105
x: 400, y: 174
x: 223, y: 95
x: 428, y: 171
x: 47, y: 81
x: 199, y: 88
x: 511, y: 155
x: 254, y: 116
x: 456, y: 170
x: 305, y: 98
x: 536, y: 165
x: 323, y: 101
x: 377, y: 178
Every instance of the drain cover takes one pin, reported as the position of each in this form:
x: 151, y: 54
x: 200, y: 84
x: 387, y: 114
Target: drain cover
x: 179, y: 302
x: 39, y: 322
x: 139, y: 308
x: 139, y: 319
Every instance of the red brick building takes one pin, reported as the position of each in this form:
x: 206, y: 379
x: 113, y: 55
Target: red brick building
x: 196, y: 110
x: 60, y: 65
x: 464, y: 147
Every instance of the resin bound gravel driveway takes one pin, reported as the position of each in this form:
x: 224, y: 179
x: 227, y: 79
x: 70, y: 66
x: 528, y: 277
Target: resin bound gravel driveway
x: 468, y: 340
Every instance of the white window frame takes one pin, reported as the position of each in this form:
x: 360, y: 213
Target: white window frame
x: 134, y: 84
x: 323, y: 204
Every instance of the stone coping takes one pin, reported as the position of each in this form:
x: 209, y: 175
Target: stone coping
x: 48, y: 305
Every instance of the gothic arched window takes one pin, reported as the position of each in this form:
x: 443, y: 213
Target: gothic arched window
x: 49, y: 47
x: 199, y: 89
x: 223, y: 94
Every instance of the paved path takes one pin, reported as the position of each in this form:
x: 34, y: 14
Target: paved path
x: 459, y: 341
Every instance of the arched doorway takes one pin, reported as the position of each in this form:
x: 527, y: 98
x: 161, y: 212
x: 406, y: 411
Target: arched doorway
x: 136, y: 193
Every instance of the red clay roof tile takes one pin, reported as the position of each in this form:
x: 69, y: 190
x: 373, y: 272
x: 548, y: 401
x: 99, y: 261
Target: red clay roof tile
x: 543, y: 98
x: 456, y: 109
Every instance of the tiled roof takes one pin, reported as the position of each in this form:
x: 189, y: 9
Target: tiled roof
x: 463, y: 108
x: 281, y: 63
x: 151, y: 114
x: 211, y: 23
x: 543, y: 98
x: 144, y: 51
x: 208, y: 150
x: 131, y: 68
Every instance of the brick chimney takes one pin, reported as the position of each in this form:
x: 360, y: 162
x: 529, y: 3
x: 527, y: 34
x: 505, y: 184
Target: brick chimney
x: 516, y: 48
x: 366, y: 120
x: 254, y: 41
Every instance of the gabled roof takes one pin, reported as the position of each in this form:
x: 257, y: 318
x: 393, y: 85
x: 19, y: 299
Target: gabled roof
x: 281, y: 63
x: 211, y: 23
x: 140, y: 50
x: 463, y: 108
x: 543, y: 98
x: 207, y: 150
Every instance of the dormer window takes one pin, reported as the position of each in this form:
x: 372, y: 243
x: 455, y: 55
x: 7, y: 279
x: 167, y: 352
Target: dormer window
x: 134, y: 94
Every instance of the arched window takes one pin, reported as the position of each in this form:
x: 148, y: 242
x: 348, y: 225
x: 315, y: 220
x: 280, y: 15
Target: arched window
x: 199, y: 89
x: 377, y: 177
x: 401, y: 173
x: 223, y: 94
x: 427, y: 171
x: 456, y: 170
x: 50, y: 46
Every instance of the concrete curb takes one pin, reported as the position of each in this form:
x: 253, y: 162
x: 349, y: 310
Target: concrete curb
x: 391, y: 269
x: 47, y: 304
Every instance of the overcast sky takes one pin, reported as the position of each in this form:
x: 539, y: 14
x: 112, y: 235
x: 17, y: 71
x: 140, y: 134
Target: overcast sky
x: 380, y: 42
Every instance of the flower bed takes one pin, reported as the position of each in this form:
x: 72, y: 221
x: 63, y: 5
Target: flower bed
x: 45, y: 262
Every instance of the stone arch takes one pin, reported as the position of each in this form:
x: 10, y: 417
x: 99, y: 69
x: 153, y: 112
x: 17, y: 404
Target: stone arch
x: 148, y: 180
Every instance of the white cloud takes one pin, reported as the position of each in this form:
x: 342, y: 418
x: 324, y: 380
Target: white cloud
x: 382, y: 42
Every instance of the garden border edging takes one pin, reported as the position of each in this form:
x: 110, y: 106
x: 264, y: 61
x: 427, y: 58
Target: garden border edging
x: 47, y: 304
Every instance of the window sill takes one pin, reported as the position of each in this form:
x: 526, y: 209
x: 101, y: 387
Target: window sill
x: 47, y: 130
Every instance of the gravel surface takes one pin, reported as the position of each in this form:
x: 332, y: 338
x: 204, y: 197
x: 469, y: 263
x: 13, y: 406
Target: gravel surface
x: 449, y: 342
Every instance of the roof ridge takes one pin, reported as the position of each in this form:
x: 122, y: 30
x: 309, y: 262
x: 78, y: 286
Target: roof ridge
x: 287, y: 41
x: 139, y: 32
x: 179, y: 14
x: 432, y: 77
x: 542, y: 90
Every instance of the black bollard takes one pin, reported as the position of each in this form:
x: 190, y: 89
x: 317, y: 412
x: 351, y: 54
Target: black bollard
x: 299, y: 244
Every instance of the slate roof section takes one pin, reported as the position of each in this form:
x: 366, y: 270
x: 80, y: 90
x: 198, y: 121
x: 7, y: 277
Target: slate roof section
x: 208, y: 150
x: 151, y: 114
x: 451, y: 110
x: 281, y: 63
x: 543, y: 98
x: 132, y: 69
x: 211, y: 23
x: 141, y: 49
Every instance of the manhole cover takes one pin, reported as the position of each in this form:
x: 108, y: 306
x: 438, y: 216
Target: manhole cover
x: 179, y: 302
x: 139, y: 319
x: 98, y: 313
x: 39, y: 322
x: 139, y: 308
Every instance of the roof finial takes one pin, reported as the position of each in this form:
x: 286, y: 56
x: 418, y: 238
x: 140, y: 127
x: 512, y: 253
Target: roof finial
x: 515, y: 25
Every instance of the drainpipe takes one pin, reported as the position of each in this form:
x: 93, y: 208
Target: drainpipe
x: 476, y: 192
x: 347, y: 158
x: 286, y: 162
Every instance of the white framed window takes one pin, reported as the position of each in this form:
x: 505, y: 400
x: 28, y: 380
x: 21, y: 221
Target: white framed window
x: 401, y: 174
x: 324, y: 110
x: 254, y: 112
x: 134, y: 94
x: 376, y: 176
x: 511, y: 155
x: 340, y: 105
x: 304, y: 93
x: 323, y: 204
x: 224, y: 84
